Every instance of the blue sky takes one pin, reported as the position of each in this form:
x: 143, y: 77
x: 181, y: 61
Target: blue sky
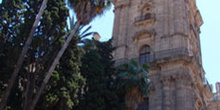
x: 209, y: 36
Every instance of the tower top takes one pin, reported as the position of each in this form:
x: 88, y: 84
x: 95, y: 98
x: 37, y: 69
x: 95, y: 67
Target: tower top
x: 217, y: 87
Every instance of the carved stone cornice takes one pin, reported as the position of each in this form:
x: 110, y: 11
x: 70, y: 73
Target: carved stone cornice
x: 184, y: 76
x: 114, y: 1
x: 165, y: 80
x: 121, y: 6
x: 175, y: 77
x: 173, y: 58
x: 144, y: 34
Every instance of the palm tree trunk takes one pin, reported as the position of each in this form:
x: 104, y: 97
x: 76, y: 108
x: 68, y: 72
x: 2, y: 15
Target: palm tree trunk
x: 52, y: 67
x: 22, y: 56
x: 133, y: 98
x: 29, y: 90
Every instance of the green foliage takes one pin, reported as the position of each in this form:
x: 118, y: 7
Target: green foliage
x: 132, y: 79
x: 17, y: 18
x: 133, y: 74
x: 86, y: 10
x: 64, y: 87
x: 10, y: 45
x: 98, y: 69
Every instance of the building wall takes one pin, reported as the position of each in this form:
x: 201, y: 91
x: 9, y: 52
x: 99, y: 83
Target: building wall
x: 214, y: 103
x: 214, y: 106
x: 171, y: 29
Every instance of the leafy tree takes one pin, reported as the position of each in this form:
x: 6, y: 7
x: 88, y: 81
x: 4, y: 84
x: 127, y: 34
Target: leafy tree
x: 93, y: 70
x: 85, y: 10
x: 17, y: 17
x: 113, y: 98
x: 25, y: 48
x: 132, y: 78
x: 98, y: 69
x: 61, y: 93
x: 9, y: 44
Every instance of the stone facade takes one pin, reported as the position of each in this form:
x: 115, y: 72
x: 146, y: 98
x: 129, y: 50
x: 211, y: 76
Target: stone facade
x: 165, y: 34
x: 214, y: 103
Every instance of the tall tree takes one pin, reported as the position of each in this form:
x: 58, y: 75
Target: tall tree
x: 132, y: 78
x: 23, y: 53
x: 61, y: 93
x: 85, y: 10
x: 98, y: 69
x: 17, y: 17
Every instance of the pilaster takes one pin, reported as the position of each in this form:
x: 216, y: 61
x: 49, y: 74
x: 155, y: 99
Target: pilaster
x: 166, y: 94
x: 184, y: 93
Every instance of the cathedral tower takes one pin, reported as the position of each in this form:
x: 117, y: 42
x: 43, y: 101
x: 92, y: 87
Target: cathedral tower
x: 165, y: 34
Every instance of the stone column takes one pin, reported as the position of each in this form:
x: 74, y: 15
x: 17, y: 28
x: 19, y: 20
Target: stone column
x: 155, y: 96
x: 166, y: 94
x: 184, y: 94
x: 157, y: 102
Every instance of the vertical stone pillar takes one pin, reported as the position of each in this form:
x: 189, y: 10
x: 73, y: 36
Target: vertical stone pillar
x: 116, y: 29
x: 155, y: 96
x: 166, y: 94
x: 184, y: 94
x: 180, y: 14
x: 158, y: 98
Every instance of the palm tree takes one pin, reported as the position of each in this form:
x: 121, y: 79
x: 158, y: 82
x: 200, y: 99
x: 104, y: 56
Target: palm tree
x: 85, y: 11
x: 22, y: 56
x: 133, y: 80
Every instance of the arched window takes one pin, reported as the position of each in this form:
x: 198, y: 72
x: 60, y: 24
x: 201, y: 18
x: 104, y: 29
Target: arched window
x: 144, y: 56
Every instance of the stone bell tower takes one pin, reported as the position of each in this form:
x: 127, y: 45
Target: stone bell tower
x: 165, y: 34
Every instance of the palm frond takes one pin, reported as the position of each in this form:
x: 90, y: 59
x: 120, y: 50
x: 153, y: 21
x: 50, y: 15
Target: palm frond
x: 87, y: 34
x: 86, y: 30
x: 133, y: 74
